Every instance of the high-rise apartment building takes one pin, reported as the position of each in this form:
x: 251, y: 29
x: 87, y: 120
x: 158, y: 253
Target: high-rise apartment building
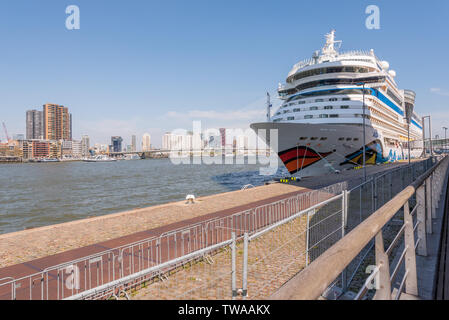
x: 57, y: 122
x: 34, y: 124
x: 177, y: 142
x: 223, y: 137
x: 133, y: 143
x: 116, y: 144
x: 146, y: 142
x: 85, y: 145
x: 167, y: 141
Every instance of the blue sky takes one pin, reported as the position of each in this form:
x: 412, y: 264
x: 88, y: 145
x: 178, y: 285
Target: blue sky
x: 152, y: 66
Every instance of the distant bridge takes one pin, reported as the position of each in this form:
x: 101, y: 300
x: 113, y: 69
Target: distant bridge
x: 152, y: 153
x: 141, y: 154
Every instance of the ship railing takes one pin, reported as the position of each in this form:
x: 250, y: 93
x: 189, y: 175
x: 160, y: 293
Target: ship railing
x: 309, y: 61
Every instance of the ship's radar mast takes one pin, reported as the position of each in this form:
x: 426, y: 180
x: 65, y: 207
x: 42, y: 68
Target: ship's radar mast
x: 332, y: 45
x: 269, y: 105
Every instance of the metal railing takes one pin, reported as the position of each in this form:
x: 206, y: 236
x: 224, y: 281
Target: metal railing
x: 107, y: 273
x: 403, y: 231
x: 277, y: 253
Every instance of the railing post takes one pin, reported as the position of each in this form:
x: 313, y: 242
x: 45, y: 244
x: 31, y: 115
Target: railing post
x: 344, y: 211
x: 375, y: 196
x: 428, y: 206
x: 383, y: 291
x: 434, y: 193
x: 233, y: 271
x: 421, y: 217
x: 391, y: 186
x: 307, y: 238
x: 344, y: 224
x: 438, y: 184
x: 245, y: 267
x: 411, y: 283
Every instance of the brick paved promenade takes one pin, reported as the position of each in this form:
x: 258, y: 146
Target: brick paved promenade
x: 23, y: 246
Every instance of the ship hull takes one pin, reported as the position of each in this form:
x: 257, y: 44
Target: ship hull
x: 317, y: 149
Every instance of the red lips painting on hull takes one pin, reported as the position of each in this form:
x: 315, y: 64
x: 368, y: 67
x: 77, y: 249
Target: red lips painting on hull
x: 299, y: 158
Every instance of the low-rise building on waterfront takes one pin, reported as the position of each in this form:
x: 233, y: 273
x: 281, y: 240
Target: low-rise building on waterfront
x: 11, y: 149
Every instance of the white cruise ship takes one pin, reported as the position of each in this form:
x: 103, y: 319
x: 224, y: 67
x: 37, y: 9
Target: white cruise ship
x: 320, y: 122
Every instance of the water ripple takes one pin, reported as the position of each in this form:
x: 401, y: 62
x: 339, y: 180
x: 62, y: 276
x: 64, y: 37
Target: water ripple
x: 34, y: 195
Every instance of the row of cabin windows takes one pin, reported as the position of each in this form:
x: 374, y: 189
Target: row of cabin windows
x: 316, y: 100
x: 330, y: 92
x: 310, y: 109
x: 313, y: 138
x: 322, y: 116
x: 324, y: 139
x: 393, y: 96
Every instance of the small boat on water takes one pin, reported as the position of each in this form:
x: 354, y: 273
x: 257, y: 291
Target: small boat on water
x: 132, y: 157
x: 48, y: 160
x: 101, y: 158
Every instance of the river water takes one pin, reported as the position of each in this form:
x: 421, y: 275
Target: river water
x: 39, y: 194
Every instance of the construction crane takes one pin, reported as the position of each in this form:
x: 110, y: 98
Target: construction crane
x: 6, y: 132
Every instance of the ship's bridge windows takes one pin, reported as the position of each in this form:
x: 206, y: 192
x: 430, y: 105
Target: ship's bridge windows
x: 328, y: 107
x: 333, y: 99
x: 344, y: 107
x: 332, y: 82
x: 319, y: 71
